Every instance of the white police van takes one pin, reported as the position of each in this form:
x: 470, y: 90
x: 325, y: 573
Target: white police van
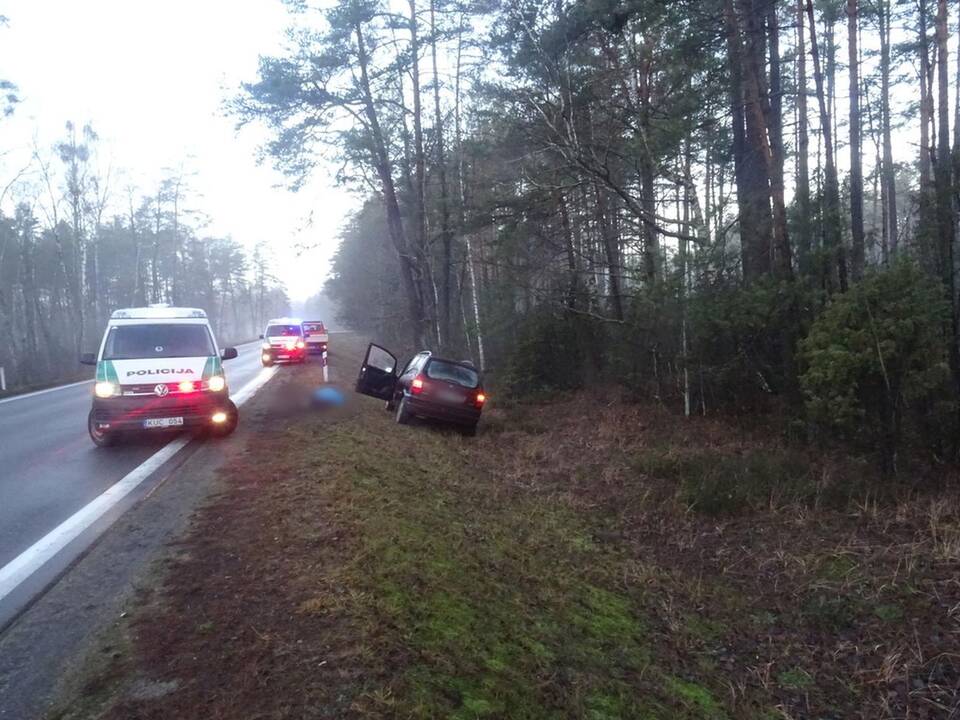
x: 158, y: 367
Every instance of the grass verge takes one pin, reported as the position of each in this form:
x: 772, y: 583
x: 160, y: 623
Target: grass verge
x: 548, y: 569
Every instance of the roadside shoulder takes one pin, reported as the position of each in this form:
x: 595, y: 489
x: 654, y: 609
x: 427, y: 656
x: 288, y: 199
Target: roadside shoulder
x: 79, y: 620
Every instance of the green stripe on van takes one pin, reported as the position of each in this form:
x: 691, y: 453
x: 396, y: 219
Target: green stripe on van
x: 107, y: 372
x: 211, y: 367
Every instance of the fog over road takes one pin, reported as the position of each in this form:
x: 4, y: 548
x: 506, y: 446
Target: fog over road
x: 50, y: 469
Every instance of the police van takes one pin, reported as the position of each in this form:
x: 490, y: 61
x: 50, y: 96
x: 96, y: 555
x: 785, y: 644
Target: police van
x: 283, y: 342
x: 158, y: 368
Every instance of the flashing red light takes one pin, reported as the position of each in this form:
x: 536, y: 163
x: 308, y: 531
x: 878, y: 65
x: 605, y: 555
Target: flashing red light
x: 186, y: 387
x: 481, y: 398
x: 416, y: 387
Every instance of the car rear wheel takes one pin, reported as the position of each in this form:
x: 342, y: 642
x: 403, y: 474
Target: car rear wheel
x: 403, y: 415
x: 101, y: 438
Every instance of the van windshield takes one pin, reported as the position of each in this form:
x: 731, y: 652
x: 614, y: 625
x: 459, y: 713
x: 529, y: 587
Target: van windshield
x: 451, y: 372
x: 134, y: 342
x: 282, y: 331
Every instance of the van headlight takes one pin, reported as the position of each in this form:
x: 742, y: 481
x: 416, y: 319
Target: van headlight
x: 106, y: 389
x: 216, y: 383
x: 265, y: 346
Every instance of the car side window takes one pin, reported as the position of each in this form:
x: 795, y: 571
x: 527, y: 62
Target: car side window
x: 380, y: 360
x: 415, y: 364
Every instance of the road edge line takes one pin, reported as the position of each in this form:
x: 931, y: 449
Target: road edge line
x: 24, y: 565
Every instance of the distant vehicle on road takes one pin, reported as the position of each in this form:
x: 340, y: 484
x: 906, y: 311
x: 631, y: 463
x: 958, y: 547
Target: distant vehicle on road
x: 315, y: 335
x: 158, y: 367
x: 429, y: 387
x: 283, y: 342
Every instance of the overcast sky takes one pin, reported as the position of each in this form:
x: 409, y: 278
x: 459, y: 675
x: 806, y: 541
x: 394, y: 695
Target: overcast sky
x: 151, y: 77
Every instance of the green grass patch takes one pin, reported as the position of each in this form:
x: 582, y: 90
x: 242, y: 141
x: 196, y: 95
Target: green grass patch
x: 795, y: 679
x: 719, y: 483
x: 831, y: 614
x: 696, y: 698
x: 499, y: 602
x: 889, y: 612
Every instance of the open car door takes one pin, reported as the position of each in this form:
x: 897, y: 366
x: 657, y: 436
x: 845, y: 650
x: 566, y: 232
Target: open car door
x: 378, y: 374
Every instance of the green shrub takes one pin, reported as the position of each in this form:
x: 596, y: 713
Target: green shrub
x: 718, y: 484
x: 554, y: 351
x: 742, y: 339
x: 875, y: 348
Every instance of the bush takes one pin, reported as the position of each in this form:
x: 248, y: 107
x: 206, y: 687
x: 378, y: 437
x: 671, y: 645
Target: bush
x: 742, y: 340
x: 554, y: 351
x: 719, y: 484
x: 872, y: 350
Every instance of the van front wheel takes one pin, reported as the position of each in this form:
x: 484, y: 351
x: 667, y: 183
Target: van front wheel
x: 101, y: 438
x: 227, y: 428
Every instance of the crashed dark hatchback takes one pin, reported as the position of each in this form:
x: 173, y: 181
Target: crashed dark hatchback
x: 429, y: 387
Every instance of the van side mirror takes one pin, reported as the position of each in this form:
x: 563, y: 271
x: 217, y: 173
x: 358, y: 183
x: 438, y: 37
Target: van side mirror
x: 261, y: 336
x: 88, y: 359
x: 228, y: 353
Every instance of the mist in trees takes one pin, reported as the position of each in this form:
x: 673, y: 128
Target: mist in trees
x: 83, y: 241
x: 671, y: 196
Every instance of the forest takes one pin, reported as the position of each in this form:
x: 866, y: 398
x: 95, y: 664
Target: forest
x: 83, y: 241
x: 743, y: 206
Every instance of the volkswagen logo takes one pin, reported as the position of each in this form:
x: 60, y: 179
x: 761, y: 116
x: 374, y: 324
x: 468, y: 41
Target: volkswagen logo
x: 161, y: 390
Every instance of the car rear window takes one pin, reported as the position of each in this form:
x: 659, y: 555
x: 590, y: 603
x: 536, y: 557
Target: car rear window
x: 282, y: 330
x: 133, y: 342
x: 313, y: 327
x: 451, y: 372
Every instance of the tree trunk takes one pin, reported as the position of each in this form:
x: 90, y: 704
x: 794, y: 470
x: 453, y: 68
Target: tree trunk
x: 461, y: 186
x: 858, y: 250
x: 781, y: 240
x: 648, y: 191
x: 572, y: 270
x: 926, y: 97
x: 408, y: 262
x: 756, y: 246
x: 834, y: 271
x: 446, y: 233
x: 748, y: 227
x: 610, y: 248
x: 419, y: 158
x: 805, y: 240
x: 943, y: 174
x: 155, y: 263
x: 889, y: 173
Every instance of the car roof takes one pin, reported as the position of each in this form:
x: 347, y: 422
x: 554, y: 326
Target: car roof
x: 157, y: 312
x: 284, y: 321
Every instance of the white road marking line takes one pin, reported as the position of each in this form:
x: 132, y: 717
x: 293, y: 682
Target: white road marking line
x: 44, y: 392
x: 34, y: 557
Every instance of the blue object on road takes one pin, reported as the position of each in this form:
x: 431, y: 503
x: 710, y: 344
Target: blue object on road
x: 328, y: 397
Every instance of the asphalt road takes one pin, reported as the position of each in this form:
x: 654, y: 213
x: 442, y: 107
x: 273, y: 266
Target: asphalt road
x: 49, y: 468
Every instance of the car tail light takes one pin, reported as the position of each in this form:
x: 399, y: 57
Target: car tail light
x: 416, y: 387
x: 480, y: 399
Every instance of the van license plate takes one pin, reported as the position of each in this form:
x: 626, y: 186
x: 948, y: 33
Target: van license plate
x: 163, y: 422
